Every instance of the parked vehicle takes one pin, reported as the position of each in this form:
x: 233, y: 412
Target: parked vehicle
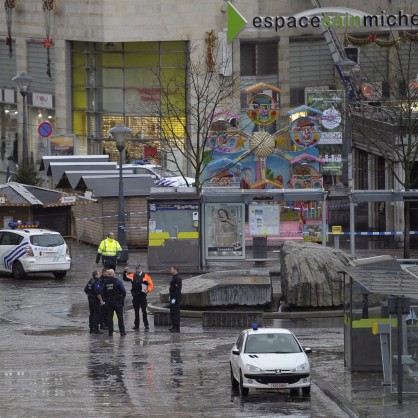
x: 26, y: 250
x: 162, y: 176
x: 269, y: 358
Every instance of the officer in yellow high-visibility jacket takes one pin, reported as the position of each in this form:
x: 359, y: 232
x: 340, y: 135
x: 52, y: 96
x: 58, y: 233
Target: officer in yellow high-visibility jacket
x: 109, y: 250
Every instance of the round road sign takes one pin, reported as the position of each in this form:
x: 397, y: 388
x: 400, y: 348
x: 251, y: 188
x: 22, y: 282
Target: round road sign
x: 45, y: 129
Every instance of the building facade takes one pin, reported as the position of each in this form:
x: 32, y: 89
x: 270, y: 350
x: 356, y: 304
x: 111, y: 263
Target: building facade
x: 94, y: 62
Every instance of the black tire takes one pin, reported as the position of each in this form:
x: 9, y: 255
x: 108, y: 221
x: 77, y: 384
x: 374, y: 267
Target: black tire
x: 234, y: 382
x: 18, y: 271
x: 59, y: 274
x: 243, y: 391
x: 306, y: 391
x: 294, y: 392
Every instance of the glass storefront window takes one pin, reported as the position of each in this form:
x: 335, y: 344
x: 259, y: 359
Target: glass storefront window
x: 8, y: 144
x: 118, y: 83
x: 111, y: 78
x: 112, y: 100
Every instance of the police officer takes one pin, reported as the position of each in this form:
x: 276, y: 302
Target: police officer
x: 114, y: 295
x: 175, y: 299
x: 141, y: 285
x: 108, y: 249
x: 103, y: 307
x: 93, y: 290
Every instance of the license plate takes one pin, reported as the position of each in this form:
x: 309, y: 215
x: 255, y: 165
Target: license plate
x: 278, y: 385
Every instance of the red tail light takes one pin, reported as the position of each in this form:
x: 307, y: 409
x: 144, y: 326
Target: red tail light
x: 29, y: 251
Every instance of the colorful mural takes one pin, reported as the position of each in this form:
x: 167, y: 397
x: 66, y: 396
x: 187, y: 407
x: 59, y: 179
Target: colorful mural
x: 252, y: 159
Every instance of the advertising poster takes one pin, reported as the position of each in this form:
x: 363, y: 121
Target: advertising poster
x: 330, y: 103
x: 312, y: 233
x: 225, y: 231
x: 264, y: 219
x: 61, y: 145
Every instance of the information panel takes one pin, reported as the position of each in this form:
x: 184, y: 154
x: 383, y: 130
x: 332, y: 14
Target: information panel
x: 264, y: 219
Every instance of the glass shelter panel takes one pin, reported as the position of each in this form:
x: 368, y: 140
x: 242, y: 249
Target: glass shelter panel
x: 408, y: 333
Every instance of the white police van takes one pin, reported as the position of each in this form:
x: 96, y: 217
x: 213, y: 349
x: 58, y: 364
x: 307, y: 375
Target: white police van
x: 26, y: 250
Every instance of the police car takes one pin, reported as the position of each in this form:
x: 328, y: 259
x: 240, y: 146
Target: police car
x: 26, y: 249
x: 270, y: 358
x: 162, y: 176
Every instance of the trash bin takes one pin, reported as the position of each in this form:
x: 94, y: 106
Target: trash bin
x: 260, y: 247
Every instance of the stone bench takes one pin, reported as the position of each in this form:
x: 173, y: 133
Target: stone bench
x: 231, y: 319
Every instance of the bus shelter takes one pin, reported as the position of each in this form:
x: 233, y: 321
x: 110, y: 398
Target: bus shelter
x: 225, y: 212
x: 380, y: 324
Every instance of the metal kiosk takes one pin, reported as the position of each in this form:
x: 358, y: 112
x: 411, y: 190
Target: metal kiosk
x: 173, y: 228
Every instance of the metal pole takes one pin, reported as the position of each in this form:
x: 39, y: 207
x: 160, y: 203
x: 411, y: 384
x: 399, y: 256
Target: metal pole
x: 25, y: 152
x: 324, y: 221
x: 347, y: 142
x: 400, y: 349
x: 121, y: 226
x: 352, y: 226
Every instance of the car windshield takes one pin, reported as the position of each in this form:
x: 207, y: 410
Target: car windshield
x: 165, y: 172
x: 50, y: 240
x: 272, y: 343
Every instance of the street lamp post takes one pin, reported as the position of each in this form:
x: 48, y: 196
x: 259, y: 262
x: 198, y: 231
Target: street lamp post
x: 23, y: 81
x: 346, y: 66
x: 121, y: 133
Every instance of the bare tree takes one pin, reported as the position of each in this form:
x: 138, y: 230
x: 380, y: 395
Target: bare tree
x: 385, y: 124
x: 190, y: 97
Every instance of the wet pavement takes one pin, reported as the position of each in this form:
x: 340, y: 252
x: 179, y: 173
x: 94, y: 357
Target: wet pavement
x: 51, y: 366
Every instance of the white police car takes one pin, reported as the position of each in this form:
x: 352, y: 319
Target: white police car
x: 162, y: 176
x: 26, y: 250
x: 269, y: 358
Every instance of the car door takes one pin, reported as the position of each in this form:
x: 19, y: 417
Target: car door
x: 235, y: 359
x: 10, y: 249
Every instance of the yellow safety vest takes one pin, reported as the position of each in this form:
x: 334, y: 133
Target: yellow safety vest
x: 109, y: 247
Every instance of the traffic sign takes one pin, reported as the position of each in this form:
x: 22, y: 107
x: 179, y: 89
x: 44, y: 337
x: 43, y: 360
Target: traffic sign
x: 45, y: 129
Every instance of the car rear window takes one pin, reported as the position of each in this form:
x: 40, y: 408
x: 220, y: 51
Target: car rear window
x: 52, y: 240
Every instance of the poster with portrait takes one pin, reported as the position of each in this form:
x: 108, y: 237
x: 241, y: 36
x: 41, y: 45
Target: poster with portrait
x: 224, y: 231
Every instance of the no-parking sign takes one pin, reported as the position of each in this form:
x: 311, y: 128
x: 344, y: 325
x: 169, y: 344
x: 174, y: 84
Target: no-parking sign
x: 45, y: 129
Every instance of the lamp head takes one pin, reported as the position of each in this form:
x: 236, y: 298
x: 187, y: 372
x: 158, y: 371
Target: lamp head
x: 23, y: 81
x: 121, y: 133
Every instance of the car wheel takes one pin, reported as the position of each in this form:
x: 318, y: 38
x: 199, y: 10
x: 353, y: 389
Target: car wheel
x: 306, y: 390
x: 59, y: 274
x: 18, y: 271
x: 234, y: 382
x: 243, y: 391
x: 294, y: 392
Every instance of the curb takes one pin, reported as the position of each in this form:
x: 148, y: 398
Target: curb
x: 336, y: 397
x: 267, y: 315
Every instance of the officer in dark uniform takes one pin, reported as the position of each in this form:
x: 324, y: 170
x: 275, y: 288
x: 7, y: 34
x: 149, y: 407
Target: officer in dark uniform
x: 103, y: 308
x: 175, y: 299
x: 93, y: 290
x: 114, y: 295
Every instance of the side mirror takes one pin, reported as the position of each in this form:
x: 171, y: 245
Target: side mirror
x: 235, y: 352
x: 307, y: 350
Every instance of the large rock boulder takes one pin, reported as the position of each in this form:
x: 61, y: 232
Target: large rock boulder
x: 309, y: 275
